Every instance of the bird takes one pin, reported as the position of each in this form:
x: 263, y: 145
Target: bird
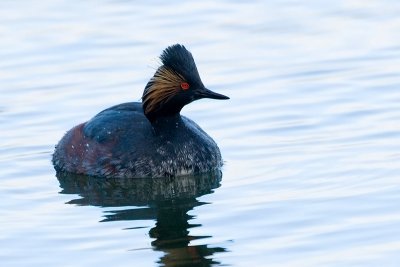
x: 148, y: 138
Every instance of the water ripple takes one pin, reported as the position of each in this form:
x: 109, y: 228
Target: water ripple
x: 310, y: 137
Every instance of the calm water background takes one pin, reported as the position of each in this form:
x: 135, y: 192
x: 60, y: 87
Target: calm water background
x: 311, y: 135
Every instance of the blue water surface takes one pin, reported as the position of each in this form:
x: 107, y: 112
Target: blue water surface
x: 310, y: 137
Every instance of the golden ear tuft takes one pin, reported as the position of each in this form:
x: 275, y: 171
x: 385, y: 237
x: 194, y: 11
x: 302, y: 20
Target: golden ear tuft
x: 162, y: 87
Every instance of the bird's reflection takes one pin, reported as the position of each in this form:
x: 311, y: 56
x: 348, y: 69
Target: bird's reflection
x: 166, y: 200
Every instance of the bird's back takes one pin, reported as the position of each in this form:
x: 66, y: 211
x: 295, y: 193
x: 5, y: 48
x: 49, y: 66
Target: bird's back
x: 121, y: 142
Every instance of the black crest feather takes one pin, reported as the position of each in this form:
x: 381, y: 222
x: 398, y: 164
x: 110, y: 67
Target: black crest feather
x: 179, y: 59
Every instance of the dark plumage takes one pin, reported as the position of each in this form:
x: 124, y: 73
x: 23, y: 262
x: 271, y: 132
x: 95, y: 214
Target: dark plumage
x: 181, y: 60
x: 148, y: 139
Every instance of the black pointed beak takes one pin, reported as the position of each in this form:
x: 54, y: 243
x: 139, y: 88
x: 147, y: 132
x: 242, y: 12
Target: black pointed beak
x: 205, y: 93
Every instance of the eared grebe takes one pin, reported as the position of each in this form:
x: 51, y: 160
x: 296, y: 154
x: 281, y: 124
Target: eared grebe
x: 147, y: 139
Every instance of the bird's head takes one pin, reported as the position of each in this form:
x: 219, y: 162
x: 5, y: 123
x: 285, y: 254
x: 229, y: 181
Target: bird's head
x: 175, y: 84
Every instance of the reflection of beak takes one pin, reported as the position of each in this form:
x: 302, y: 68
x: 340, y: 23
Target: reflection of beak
x: 205, y: 93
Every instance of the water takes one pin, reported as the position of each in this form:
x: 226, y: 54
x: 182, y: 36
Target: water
x: 311, y: 135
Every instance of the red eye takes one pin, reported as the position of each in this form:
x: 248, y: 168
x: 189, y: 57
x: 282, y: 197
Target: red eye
x: 185, y: 86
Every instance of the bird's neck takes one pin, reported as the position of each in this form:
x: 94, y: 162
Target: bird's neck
x: 166, y: 120
x: 165, y: 112
x: 167, y: 125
